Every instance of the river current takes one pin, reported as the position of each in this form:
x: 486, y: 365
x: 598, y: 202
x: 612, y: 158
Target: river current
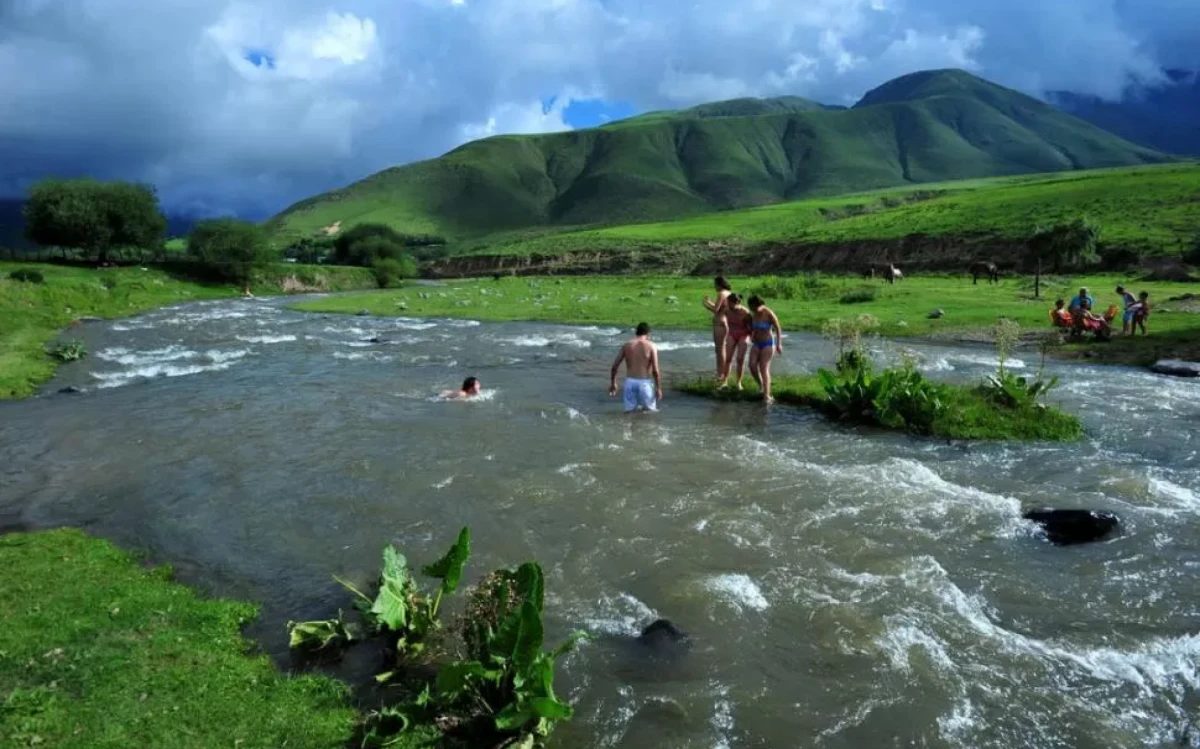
x: 844, y: 587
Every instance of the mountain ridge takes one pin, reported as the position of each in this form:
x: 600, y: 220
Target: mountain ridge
x: 923, y: 127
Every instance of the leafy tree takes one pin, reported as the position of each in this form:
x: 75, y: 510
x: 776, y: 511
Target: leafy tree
x: 390, y: 271
x: 233, y: 249
x: 365, y: 243
x: 94, y: 217
x: 1066, y: 245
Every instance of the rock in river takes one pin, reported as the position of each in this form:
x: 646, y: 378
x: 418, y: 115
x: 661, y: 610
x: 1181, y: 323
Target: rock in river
x: 1065, y: 527
x: 1176, y: 367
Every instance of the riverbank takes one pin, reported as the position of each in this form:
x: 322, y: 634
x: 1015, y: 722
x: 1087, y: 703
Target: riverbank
x: 99, y: 650
x: 967, y: 414
x: 34, y: 314
x: 803, y: 302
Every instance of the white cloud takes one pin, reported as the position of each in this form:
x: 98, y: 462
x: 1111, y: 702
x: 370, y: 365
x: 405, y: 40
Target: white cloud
x: 157, y: 90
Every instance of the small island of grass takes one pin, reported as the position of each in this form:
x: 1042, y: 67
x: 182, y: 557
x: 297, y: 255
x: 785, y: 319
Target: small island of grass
x: 1002, y: 407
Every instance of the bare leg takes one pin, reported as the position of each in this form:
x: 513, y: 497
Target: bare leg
x: 741, y: 360
x: 754, y: 364
x: 720, y: 333
x: 764, y: 371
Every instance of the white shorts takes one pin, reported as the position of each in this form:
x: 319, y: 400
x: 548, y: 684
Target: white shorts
x: 639, y: 393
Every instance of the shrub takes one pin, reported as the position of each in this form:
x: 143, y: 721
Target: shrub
x: 363, y: 244
x: 388, y: 272
x: 848, y: 333
x: 69, y: 350
x: 806, y: 286
x: 231, y: 248
x: 27, y: 275
x: 899, y: 398
x: 858, y: 296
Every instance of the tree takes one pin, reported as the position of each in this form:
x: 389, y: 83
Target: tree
x: 94, y: 217
x: 390, y: 271
x: 366, y: 243
x: 1065, y: 245
x: 233, y: 249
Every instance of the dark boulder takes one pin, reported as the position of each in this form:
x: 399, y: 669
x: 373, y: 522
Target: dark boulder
x: 1066, y: 527
x: 363, y: 313
x: 662, y: 635
x: 1176, y: 367
x: 70, y: 389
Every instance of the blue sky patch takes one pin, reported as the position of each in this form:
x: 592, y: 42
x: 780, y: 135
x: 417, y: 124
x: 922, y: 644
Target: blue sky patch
x: 260, y: 59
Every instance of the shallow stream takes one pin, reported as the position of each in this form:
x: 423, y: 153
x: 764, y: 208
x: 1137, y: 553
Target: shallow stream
x: 844, y: 587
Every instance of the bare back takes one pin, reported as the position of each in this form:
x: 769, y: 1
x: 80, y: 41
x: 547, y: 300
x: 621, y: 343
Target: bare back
x: 640, y: 356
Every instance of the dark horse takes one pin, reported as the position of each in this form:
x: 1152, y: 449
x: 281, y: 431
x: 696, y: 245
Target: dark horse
x: 985, y: 268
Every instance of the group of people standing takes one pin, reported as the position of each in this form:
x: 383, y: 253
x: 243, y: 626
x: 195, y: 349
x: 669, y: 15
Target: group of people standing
x: 740, y: 328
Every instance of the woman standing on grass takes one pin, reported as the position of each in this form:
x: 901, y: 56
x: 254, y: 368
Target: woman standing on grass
x: 767, y: 339
x: 739, y: 319
x: 720, y: 325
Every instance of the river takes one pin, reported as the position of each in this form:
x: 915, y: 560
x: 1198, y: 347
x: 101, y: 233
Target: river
x: 844, y: 587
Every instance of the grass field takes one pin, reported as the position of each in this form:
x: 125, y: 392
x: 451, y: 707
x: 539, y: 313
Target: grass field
x: 902, y: 309
x: 97, y: 651
x: 968, y: 414
x: 921, y: 128
x: 1153, y: 209
x: 32, y: 314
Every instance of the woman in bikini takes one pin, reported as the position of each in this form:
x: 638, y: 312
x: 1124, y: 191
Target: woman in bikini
x: 720, y: 326
x: 767, y: 338
x: 738, y: 319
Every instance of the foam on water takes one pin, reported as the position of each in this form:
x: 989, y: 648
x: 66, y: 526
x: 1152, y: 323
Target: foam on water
x: 620, y: 614
x: 266, y: 338
x: 120, y: 355
x: 117, y: 379
x: 678, y: 345
x: 540, y: 341
x: 737, y: 589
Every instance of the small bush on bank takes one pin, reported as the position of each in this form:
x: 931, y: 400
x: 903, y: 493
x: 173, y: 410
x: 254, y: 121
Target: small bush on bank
x: 858, y: 296
x: 391, y: 271
x: 27, y: 275
x: 71, y: 350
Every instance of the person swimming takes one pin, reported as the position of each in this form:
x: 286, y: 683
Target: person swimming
x: 766, y: 345
x: 471, y: 387
x: 720, y: 327
x: 739, y: 319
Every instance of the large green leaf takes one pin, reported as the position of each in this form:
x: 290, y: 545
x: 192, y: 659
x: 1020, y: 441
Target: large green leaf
x: 453, y: 680
x: 550, y: 708
x: 395, y: 586
x: 529, y: 638
x: 449, y: 568
x: 513, y: 717
x: 320, y: 634
x: 530, y: 584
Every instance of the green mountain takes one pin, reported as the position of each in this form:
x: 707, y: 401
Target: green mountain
x: 925, y: 127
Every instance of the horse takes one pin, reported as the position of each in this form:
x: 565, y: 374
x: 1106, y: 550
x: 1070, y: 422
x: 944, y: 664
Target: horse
x: 887, y: 271
x: 985, y: 268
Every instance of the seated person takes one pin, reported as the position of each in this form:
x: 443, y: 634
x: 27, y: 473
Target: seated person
x: 1059, y: 316
x: 1090, y: 320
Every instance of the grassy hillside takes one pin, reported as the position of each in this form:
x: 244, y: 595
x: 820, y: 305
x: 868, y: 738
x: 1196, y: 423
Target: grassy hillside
x: 1155, y: 209
x: 922, y: 128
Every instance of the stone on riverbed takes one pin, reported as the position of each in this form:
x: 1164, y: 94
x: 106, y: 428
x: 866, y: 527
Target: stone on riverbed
x: 1066, y: 527
x: 1176, y: 367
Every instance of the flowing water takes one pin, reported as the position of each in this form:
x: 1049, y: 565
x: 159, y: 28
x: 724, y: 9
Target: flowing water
x: 844, y: 588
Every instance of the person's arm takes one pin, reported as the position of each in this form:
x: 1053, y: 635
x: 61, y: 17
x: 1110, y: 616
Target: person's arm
x: 778, y: 333
x: 616, y: 367
x: 657, y: 374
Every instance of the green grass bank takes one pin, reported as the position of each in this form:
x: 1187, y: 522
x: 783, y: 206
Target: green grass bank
x: 803, y: 302
x: 33, y: 314
x: 98, y: 651
x: 968, y: 413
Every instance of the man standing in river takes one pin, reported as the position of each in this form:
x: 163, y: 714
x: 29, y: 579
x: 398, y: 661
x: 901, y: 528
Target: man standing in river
x: 643, y: 381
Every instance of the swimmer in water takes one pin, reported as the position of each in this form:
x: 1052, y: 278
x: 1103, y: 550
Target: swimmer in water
x: 643, y: 381
x: 470, y: 388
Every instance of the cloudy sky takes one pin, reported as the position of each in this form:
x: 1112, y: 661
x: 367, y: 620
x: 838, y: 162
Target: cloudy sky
x: 247, y: 106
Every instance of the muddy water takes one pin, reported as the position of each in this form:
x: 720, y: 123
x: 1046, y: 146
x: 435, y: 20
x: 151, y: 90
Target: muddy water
x: 845, y: 588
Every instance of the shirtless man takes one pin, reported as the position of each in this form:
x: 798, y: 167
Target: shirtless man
x: 641, y: 364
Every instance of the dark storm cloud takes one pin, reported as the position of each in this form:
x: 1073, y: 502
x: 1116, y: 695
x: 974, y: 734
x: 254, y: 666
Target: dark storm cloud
x: 162, y: 91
